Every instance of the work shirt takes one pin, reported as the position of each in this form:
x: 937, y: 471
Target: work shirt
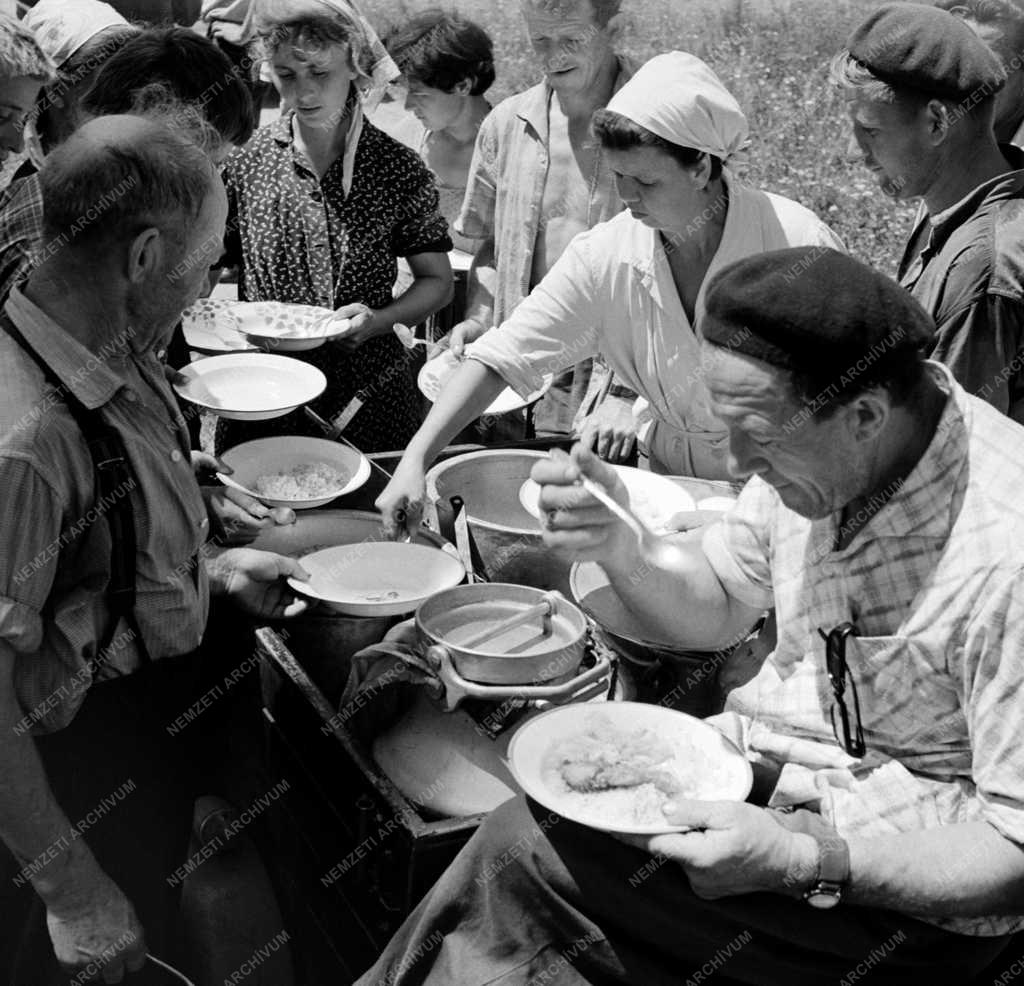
x: 303, y: 240
x: 56, y: 547
x: 21, y: 232
x: 970, y: 278
x: 612, y: 293
x: 934, y: 583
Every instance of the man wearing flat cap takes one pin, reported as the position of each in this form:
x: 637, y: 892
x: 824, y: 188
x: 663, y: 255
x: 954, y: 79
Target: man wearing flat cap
x: 921, y: 90
x: 881, y: 520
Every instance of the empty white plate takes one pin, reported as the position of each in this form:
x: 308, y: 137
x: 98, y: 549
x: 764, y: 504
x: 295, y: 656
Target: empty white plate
x: 250, y: 386
x: 707, y: 763
x: 377, y: 578
x: 270, y: 457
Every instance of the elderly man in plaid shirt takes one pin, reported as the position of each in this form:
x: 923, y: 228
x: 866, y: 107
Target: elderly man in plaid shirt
x: 882, y: 521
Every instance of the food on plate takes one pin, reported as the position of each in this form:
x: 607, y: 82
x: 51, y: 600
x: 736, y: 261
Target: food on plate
x: 622, y: 774
x: 308, y: 481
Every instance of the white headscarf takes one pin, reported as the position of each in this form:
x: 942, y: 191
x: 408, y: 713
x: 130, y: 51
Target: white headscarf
x: 679, y: 98
x: 62, y: 26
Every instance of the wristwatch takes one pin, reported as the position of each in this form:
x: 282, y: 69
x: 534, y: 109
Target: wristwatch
x: 833, y: 873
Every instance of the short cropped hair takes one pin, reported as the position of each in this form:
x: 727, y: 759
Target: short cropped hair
x: 109, y: 194
x: 618, y: 133
x: 1007, y: 15
x: 440, y: 50
x: 20, y: 53
x: 308, y: 29
x: 604, y: 10
x: 191, y: 67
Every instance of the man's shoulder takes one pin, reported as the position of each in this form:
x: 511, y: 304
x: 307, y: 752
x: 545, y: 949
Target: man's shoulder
x: 507, y: 114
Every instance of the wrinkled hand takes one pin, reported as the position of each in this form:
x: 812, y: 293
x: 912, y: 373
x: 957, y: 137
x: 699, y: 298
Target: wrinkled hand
x: 363, y: 324
x: 735, y: 849
x: 611, y: 429
x: 95, y: 931
x: 575, y: 523
x: 255, y: 581
x: 463, y: 334
x: 242, y: 517
x: 402, y: 501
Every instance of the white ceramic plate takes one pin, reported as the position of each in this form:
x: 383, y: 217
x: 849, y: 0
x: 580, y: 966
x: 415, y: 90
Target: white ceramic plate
x: 211, y: 327
x: 250, y: 386
x: 706, y: 762
x: 654, y: 499
x: 377, y: 578
x: 435, y: 374
x: 270, y: 456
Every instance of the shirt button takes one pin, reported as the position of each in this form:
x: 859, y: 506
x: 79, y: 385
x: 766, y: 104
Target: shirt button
x: 161, y: 355
x: 131, y: 395
x: 316, y: 195
x: 204, y: 522
x: 175, y: 456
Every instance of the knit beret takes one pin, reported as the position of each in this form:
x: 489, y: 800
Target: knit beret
x: 816, y: 311
x: 921, y: 47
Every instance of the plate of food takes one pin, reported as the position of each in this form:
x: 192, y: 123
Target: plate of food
x: 222, y: 325
x: 250, y: 386
x: 377, y: 578
x: 435, y: 374
x: 654, y: 499
x: 612, y: 768
x: 292, y: 471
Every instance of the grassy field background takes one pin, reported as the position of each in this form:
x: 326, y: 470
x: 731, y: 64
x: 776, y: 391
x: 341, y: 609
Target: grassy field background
x: 773, y: 55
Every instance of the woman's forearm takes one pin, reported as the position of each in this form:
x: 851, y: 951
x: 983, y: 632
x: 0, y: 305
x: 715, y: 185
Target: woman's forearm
x: 426, y: 295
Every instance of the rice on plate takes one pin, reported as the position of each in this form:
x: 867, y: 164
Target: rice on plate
x: 308, y: 481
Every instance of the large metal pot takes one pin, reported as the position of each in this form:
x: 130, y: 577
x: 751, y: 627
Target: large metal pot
x: 509, y: 538
x: 327, y: 641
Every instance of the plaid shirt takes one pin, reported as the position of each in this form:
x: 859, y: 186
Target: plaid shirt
x: 934, y: 585
x: 21, y: 231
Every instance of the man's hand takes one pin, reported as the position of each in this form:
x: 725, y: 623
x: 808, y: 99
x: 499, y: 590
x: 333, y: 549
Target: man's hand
x: 401, y: 503
x: 610, y: 429
x: 464, y: 333
x: 241, y: 516
x: 93, y: 925
x: 735, y: 849
x: 363, y: 325
x: 574, y: 522
x: 255, y: 581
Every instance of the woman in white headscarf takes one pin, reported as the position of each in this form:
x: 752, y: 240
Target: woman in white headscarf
x: 632, y: 289
x: 322, y: 204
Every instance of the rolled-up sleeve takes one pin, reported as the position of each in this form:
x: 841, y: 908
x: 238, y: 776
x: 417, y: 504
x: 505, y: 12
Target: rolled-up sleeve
x: 992, y: 676
x: 557, y: 326
x: 476, y: 220
x: 739, y: 547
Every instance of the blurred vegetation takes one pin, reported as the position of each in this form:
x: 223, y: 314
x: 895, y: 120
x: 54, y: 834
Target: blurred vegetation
x: 773, y: 55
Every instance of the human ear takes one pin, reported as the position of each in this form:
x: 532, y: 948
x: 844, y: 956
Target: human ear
x: 616, y: 27
x: 464, y: 87
x: 868, y: 414
x: 938, y: 120
x: 145, y: 255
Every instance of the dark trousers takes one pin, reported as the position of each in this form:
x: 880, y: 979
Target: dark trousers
x: 118, y: 761
x: 535, y: 900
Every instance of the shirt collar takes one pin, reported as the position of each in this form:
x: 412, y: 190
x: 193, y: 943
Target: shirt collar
x: 281, y: 130
x: 534, y: 110
x: 1018, y: 138
x: 89, y: 376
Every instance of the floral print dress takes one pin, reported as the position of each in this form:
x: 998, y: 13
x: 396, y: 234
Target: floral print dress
x: 302, y: 240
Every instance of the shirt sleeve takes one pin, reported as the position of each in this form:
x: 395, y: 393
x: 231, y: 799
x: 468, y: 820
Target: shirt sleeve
x: 556, y: 327
x: 981, y: 345
x: 232, y: 256
x: 420, y: 227
x: 15, y: 243
x: 739, y: 547
x: 992, y: 676
x: 476, y: 220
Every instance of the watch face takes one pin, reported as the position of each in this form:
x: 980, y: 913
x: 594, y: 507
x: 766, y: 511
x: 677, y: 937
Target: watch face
x: 822, y: 901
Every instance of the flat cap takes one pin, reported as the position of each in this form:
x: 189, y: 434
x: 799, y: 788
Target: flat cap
x: 814, y: 310
x: 924, y: 48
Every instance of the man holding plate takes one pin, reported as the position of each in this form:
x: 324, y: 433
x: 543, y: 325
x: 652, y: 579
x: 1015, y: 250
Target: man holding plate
x: 882, y: 522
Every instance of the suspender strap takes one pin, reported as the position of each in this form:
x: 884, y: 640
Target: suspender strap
x: 115, y: 481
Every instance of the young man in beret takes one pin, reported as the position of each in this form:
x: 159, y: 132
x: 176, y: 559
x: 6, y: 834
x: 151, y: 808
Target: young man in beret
x: 882, y: 522
x: 921, y: 90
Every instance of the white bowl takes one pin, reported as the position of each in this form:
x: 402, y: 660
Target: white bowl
x: 250, y: 386
x: 722, y: 772
x: 210, y: 326
x: 435, y: 374
x: 282, y: 454
x: 377, y: 578
x: 288, y: 328
x: 655, y: 499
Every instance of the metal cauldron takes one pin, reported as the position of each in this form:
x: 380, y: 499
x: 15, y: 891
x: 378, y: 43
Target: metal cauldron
x: 325, y: 640
x: 508, y: 538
